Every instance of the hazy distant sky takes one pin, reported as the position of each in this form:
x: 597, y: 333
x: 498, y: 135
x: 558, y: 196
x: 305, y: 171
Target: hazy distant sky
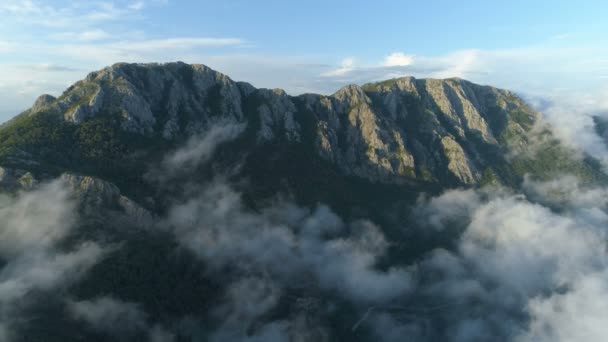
x: 534, y: 47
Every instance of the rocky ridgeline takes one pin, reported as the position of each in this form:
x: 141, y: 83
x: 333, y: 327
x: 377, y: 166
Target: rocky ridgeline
x: 406, y: 128
x: 90, y: 193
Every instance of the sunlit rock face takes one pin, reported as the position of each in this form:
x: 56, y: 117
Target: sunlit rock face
x: 391, y: 132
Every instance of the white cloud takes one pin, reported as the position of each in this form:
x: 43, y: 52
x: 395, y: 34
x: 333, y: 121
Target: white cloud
x: 197, y: 150
x: 347, y: 65
x: 119, y: 319
x: 138, y: 5
x: 109, y: 315
x: 176, y: 43
x: 46, y: 67
x: 35, y: 220
x: 6, y: 46
x: 571, y: 112
x: 44, y: 270
x: 74, y: 16
x: 83, y: 55
x: 459, y: 64
x: 278, y: 248
x: 538, y: 69
x: 398, y: 59
x: 22, y: 84
x: 33, y: 226
x: 519, y: 271
x: 107, y: 11
x: 576, y: 315
x: 85, y: 36
x: 137, y: 51
x: 25, y: 7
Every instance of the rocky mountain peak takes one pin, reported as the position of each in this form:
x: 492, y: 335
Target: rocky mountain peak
x: 174, y: 97
x: 394, y: 131
x: 42, y: 101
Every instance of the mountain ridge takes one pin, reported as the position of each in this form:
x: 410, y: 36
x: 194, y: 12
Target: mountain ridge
x: 448, y: 131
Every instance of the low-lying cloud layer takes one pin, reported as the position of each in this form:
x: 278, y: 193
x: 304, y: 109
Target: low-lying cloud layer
x: 524, y: 266
x: 118, y: 319
x: 33, y: 225
x: 521, y: 271
x: 281, y: 249
x: 571, y: 114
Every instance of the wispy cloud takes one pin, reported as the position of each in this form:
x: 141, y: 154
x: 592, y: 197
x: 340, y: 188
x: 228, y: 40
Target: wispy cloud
x: 46, y: 67
x: 73, y: 16
x: 34, y: 224
x: 176, y: 43
x: 85, y: 52
x: 527, y: 69
x: 501, y: 281
x: 347, y: 65
x: 398, y: 59
x: 118, y: 319
x: 109, y: 315
x: 571, y: 114
x: 143, y: 50
x: 197, y: 151
x: 85, y: 36
x: 138, y: 5
x: 5, y: 46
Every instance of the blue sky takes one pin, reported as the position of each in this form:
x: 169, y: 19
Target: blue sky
x: 540, y: 48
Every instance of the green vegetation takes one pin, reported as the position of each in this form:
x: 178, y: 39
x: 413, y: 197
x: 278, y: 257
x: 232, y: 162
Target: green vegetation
x: 552, y: 159
x: 488, y: 177
x: 44, y: 143
x: 522, y: 117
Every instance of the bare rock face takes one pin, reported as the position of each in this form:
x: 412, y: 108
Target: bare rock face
x: 15, y: 179
x: 414, y: 129
x: 93, y: 193
x: 177, y: 98
x: 392, y: 131
x: 458, y: 162
x: 277, y: 116
x: 42, y: 102
x: 351, y: 134
x: 90, y: 106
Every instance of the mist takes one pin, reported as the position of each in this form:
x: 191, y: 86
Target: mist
x: 526, y: 265
x: 34, y: 224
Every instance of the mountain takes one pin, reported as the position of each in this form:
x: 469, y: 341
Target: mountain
x: 145, y: 150
x: 450, y: 132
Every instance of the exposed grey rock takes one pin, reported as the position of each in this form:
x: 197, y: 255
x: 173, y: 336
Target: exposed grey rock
x: 15, y: 179
x: 93, y: 193
x: 246, y: 88
x: 405, y: 128
x: 277, y: 116
x: 363, y: 143
x: 42, y: 102
x: 390, y: 131
x: 458, y: 162
x: 178, y: 97
x: 91, y: 190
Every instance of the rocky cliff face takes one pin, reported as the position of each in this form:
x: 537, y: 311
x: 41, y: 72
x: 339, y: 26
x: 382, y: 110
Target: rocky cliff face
x: 418, y: 128
x: 391, y: 131
x: 167, y: 98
